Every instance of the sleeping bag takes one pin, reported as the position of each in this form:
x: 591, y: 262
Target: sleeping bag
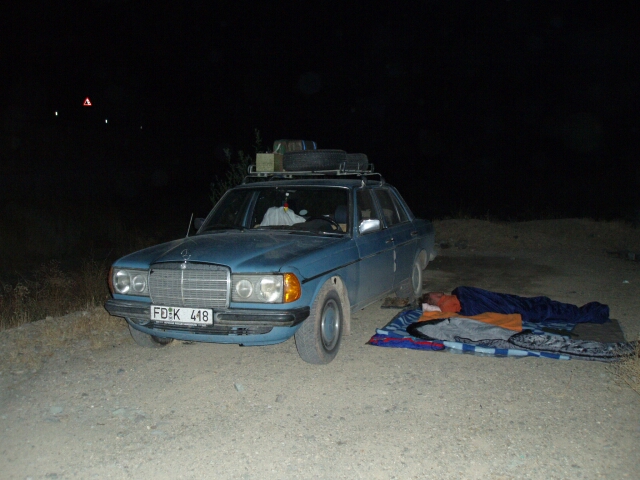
x: 475, y: 301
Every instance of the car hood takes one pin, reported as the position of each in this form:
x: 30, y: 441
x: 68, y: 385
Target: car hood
x: 242, y: 251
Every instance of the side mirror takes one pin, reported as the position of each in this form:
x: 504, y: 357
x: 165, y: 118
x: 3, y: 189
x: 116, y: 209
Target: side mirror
x: 197, y: 223
x: 369, y: 226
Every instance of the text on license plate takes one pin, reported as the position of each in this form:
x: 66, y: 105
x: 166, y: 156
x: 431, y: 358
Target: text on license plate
x: 198, y: 316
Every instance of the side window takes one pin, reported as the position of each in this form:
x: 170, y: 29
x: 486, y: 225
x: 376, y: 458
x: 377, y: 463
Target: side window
x: 366, y: 209
x: 388, y: 207
x: 400, y: 209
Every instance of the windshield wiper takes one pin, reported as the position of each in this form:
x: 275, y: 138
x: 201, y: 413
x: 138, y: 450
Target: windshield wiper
x: 316, y: 232
x: 222, y: 226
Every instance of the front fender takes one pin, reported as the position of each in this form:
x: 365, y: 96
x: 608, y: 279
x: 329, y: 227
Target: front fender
x: 343, y: 292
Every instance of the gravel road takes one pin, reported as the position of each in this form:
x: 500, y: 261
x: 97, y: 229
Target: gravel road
x: 200, y: 411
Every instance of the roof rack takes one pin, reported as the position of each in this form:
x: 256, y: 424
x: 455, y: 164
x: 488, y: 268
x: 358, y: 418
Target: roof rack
x: 346, y: 169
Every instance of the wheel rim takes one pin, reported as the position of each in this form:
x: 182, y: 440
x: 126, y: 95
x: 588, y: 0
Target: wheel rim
x: 416, y: 279
x: 330, y: 327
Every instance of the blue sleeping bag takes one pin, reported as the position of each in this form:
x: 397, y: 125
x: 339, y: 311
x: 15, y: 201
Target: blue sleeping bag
x: 475, y: 301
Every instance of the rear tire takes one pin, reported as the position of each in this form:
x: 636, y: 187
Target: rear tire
x: 318, y: 338
x: 416, y: 279
x: 148, y: 341
x: 308, y: 160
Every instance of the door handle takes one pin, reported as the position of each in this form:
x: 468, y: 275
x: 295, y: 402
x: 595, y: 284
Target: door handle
x: 414, y: 233
x: 390, y: 240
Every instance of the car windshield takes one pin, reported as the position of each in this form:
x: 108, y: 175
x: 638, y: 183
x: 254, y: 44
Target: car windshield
x: 306, y: 210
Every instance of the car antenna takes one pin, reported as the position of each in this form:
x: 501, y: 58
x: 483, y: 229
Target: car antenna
x: 189, y: 227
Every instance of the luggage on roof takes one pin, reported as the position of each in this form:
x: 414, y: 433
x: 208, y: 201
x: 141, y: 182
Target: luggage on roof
x: 284, y: 146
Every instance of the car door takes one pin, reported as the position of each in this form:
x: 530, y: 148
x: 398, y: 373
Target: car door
x: 401, y: 229
x: 376, y: 252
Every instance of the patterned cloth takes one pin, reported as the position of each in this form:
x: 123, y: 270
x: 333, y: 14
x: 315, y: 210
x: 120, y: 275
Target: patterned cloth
x: 406, y: 331
x: 380, y: 340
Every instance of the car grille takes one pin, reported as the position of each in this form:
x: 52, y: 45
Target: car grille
x: 194, y: 285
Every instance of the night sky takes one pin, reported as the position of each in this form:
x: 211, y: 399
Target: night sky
x: 510, y: 109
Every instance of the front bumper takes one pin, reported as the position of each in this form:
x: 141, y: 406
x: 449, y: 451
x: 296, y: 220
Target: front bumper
x: 229, y: 321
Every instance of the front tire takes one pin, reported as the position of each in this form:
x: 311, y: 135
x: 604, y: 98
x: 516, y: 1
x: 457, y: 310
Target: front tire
x: 318, y: 338
x: 146, y: 340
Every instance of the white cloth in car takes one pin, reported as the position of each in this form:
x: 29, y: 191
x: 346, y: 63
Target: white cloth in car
x: 280, y: 216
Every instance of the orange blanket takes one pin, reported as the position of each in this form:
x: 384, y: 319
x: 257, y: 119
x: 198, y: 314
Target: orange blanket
x: 512, y: 321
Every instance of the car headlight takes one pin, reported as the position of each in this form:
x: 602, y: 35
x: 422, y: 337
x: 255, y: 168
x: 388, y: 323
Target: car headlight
x: 265, y: 288
x: 244, y: 288
x: 126, y: 281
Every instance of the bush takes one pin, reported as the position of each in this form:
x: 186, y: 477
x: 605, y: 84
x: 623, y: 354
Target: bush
x: 53, y: 292
x: 237, y: 169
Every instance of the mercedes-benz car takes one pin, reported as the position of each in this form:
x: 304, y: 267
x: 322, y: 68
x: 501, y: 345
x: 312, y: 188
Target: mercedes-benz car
x: 282, y: 255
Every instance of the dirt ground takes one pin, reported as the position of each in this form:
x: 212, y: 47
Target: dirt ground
x: 78, y: 399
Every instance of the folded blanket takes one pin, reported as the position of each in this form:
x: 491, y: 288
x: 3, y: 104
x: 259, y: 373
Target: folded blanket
x: 460, y: 327
x: 542, y: 310
x: 509, y: 321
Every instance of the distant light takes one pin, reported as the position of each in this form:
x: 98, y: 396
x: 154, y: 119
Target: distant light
x: 56, y: 113
x: 140, y: 127
x: 106, y: 121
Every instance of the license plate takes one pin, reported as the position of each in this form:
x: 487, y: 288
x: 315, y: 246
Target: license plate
x: 192, y: 316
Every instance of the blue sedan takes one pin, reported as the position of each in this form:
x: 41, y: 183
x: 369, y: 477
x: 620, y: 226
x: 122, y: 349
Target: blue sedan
x: 274, y: 259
